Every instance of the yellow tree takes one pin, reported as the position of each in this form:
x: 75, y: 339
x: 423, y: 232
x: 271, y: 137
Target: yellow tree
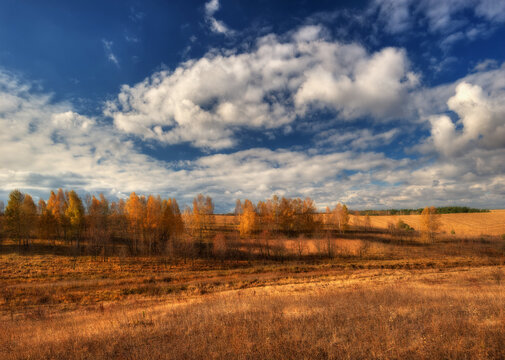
x: 238, y: 211
x: 74, y: 212
x: 118, y: 220
x: 287, y: 215
x: 203, y: 215
x: 29, y: 218
x: 99, y: 230
x: 178, y: 224
x: 247, y: 219
x: 135, y: 214
x: 14, y: 216
x: 430, y: 222
x: 264, y: 216
x: 341, y: 217
x: 57, y: 205
x: 21, y: 215
x: 167, y: 221
x: 153, y: 221
x: 308, y: 215
x: 172, y: 225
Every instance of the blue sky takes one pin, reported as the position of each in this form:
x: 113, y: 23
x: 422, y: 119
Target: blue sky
x: 376, y: 103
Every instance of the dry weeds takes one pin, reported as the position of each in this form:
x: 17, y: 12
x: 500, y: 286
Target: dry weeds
x: 443, y: 300
x: 470, y: 224
x: 369, y: 314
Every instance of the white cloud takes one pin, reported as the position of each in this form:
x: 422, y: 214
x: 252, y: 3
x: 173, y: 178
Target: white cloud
x: 205, y: 101
x: 481, y: 117
x: 486, y: 65
x: 493, y: 10
x: 46, y: 145
x: 396, y: 14
x: 373, y: 85
x: 107, y: 46
x: 211, y: 7
x: 357, y: 139
x: 215, y: 25
x: 449, y: 17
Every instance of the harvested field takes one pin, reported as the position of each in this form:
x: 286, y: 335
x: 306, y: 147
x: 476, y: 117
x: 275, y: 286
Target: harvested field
x: 440, y: 300
x: 457, y: 313
x: 468, y: 224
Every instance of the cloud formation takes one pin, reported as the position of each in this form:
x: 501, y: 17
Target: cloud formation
x: 217, y: 26
x: 49, y: 145
x: 370, y: 100
x: 481, y: 119
x: 107, y: 46
x: 449, y: 18
x: 355, y: 139
x: 205, y: 102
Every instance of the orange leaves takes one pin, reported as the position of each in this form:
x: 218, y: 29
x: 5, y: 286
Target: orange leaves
x: 247, y: 222
x: 277, y: 214
x: 430, y: 222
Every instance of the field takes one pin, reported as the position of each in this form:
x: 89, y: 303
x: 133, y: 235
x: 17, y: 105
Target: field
x: 391, y: 299
x: 471, y: 224
x: 466, y: 224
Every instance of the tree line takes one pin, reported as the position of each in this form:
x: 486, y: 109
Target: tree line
x: 439, y: 210
x: 149, y: 225
x: 144, y: 224
x: 152, y: 225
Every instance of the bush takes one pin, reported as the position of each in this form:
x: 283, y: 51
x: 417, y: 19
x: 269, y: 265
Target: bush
x: 401, y: 225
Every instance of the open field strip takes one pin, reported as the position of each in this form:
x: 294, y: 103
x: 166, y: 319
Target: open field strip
x: 416, y: 302
x: 466, y: 224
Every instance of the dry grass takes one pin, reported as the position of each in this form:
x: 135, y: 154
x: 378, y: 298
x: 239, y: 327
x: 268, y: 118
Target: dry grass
x: 472, y: 224
x: 394, y: 300
x: 466, y: 224
x: 368, y: 314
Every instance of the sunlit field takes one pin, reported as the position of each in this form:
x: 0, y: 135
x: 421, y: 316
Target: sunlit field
x: 470, y: 224
x: 378, y: 295
x: 233, y: 179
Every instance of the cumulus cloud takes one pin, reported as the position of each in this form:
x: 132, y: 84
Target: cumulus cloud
x: 481, y: 118
x: 206, y: 101
x: 467, y: 130
x: 47, y: 145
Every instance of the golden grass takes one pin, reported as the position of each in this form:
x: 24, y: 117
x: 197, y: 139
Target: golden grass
x: 466, y: 224
x: 395, y: 300
x: 459, y: 313
x: 471, y: 224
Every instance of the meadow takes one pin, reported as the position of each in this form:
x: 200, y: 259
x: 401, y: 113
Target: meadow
x: 466, y: 224
x: 379, y: 295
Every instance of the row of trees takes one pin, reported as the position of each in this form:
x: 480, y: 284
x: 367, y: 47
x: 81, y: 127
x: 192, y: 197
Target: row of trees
x: 288, y: 216
x: 145, y: 224
x: 150, y: 225
x: 439, y: 210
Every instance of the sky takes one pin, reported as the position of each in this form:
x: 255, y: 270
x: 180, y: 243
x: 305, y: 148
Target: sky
x: 375, y: 104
